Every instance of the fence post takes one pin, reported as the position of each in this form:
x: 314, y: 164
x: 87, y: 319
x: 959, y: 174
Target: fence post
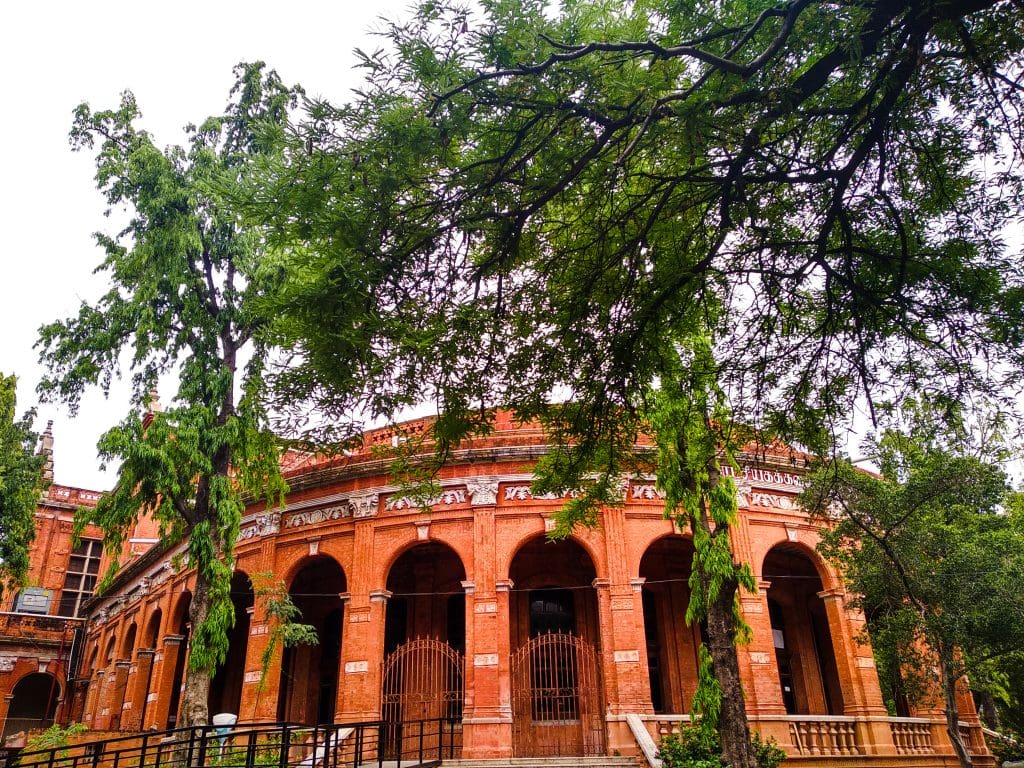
x: 282, y: 760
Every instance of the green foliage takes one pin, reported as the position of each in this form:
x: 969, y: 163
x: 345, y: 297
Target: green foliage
x: 931, y: 550
x: 699, y: 747
x: 57, y: 737
x: 186, y: 280
x: 21, y: 482
x: 1006, y: 748
x: 282, y: 617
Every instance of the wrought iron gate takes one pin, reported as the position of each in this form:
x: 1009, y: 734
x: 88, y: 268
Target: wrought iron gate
x: 556, y: 698
x: 423, y: 679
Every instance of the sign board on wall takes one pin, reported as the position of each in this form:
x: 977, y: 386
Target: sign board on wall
x: 33, y: 600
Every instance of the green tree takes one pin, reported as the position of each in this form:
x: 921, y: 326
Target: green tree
x: 185, y: 281
x: 21, y: 481
x: 614, y: 205
x: 932, y: 558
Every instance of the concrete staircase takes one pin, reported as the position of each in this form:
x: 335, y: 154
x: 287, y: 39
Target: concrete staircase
x: 546, y: 762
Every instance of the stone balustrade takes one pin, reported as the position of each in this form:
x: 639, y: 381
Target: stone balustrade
x: 912, y: 736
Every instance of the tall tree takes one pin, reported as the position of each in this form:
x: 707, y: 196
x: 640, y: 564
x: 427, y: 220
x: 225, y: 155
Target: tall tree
x: 606, y: 203
x: 21, y: 481
x: 186, y: 279
x: 931, y: 556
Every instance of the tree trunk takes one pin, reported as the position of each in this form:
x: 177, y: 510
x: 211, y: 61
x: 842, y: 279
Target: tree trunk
x: 195, y: 697
x: 949, y: 682
x: 733, y: 728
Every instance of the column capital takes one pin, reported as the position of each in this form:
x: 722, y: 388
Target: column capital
x: 837, y: 594
x: 600, y: 583
x: 637, y: 583
x: 504, y: 585
x: 468, y: 586
x: 380, y: 596
x: 174, y: 639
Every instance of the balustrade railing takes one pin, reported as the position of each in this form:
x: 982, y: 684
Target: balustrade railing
x: 912, y: 737
x: 825, y: 736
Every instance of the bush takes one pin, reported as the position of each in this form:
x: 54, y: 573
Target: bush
x: 697, y: 747
x: 1006, y: 748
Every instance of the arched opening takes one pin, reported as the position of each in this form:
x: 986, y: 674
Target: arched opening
x: 309, y: 673
x: 33, y: 704
x: 180, y: 626
x: 800, y: 633
x: 555, y: 638
x: 153, y: 629
x: 226, y: 686
x: 671, y: 644
x: 424, y: 640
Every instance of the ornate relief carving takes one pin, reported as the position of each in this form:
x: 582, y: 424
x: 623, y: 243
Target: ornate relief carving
x: 482, y: 491
x: 648, y: 491
x: 262, y: 525
x: 446, y: 497
x: 7, y: 663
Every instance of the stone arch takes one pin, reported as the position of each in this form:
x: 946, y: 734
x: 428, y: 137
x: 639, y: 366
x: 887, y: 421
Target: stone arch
x: 427, y: 597
x: 33, y: 703
x: 226, y: 686
x: 804, y: 650
x: 672, y: 646
x: 308, y: 688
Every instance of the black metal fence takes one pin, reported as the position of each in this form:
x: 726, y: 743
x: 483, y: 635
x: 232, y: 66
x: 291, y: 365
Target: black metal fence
x: 412, y: 744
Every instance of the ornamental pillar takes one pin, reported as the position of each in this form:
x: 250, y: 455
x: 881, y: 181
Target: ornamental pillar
x: 758, y: 666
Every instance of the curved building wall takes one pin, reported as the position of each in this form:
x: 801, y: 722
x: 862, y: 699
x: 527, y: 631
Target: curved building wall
x: 472, y: 575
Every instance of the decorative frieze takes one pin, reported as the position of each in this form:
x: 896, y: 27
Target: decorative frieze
x: 262, y: 525
x: 524, y: 493
x: 7, y: 663
x: 357, y: 506
x: 483, y: 491
x: 446, y: 498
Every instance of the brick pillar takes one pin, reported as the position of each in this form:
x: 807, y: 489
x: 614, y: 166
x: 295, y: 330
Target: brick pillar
x: 487, y: 718
x: 118, y: 689
x: 139, y: 687
x: 259, y: 690
x: 757, y: 660
x: 158, y: 708
x: 92, y: 698
x: 101, y: 710
x: 858, y: 678
x: 362, y: 655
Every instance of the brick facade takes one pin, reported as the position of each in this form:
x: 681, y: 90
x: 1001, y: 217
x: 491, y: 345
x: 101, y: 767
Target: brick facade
x: 373, y: 572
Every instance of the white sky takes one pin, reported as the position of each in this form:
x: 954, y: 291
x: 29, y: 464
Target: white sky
x: 177, y: 59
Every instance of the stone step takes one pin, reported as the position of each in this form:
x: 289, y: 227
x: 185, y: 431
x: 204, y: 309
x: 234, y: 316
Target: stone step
x: 600, y: 761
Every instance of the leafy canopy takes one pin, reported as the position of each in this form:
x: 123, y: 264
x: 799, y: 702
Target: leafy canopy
x: 21, y: 481
x: 186, y: 279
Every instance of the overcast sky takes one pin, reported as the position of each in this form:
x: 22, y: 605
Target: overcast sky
x: 177, y: 59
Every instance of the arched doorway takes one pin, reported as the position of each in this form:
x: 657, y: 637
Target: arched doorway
x: 556, y: 685
x: 671, y: 644
x: 803, y: 643
x: 423, y: 677
x: 226, y: 686
x: 180, y: 625
x: 309, y: 673
x: 33, y: 703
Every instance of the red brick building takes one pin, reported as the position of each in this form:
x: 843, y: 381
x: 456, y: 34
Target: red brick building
x: 572, y: 647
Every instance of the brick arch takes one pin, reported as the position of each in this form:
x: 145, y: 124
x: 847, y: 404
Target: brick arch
x: 153, y: 626
x: 409, y: 542
x: 803, y: 632
x: 304, y: 561
x: 643, y: 547
x: 179, y: 614
x: 507, y: 554
x: 829, y: 578
x: 129, y: 640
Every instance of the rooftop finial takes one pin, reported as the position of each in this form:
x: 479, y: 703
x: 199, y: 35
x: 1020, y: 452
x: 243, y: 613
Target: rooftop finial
x: 46, y: 449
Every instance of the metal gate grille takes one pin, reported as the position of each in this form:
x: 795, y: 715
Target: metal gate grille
x: 556, y: 698
x: 423, y: 679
